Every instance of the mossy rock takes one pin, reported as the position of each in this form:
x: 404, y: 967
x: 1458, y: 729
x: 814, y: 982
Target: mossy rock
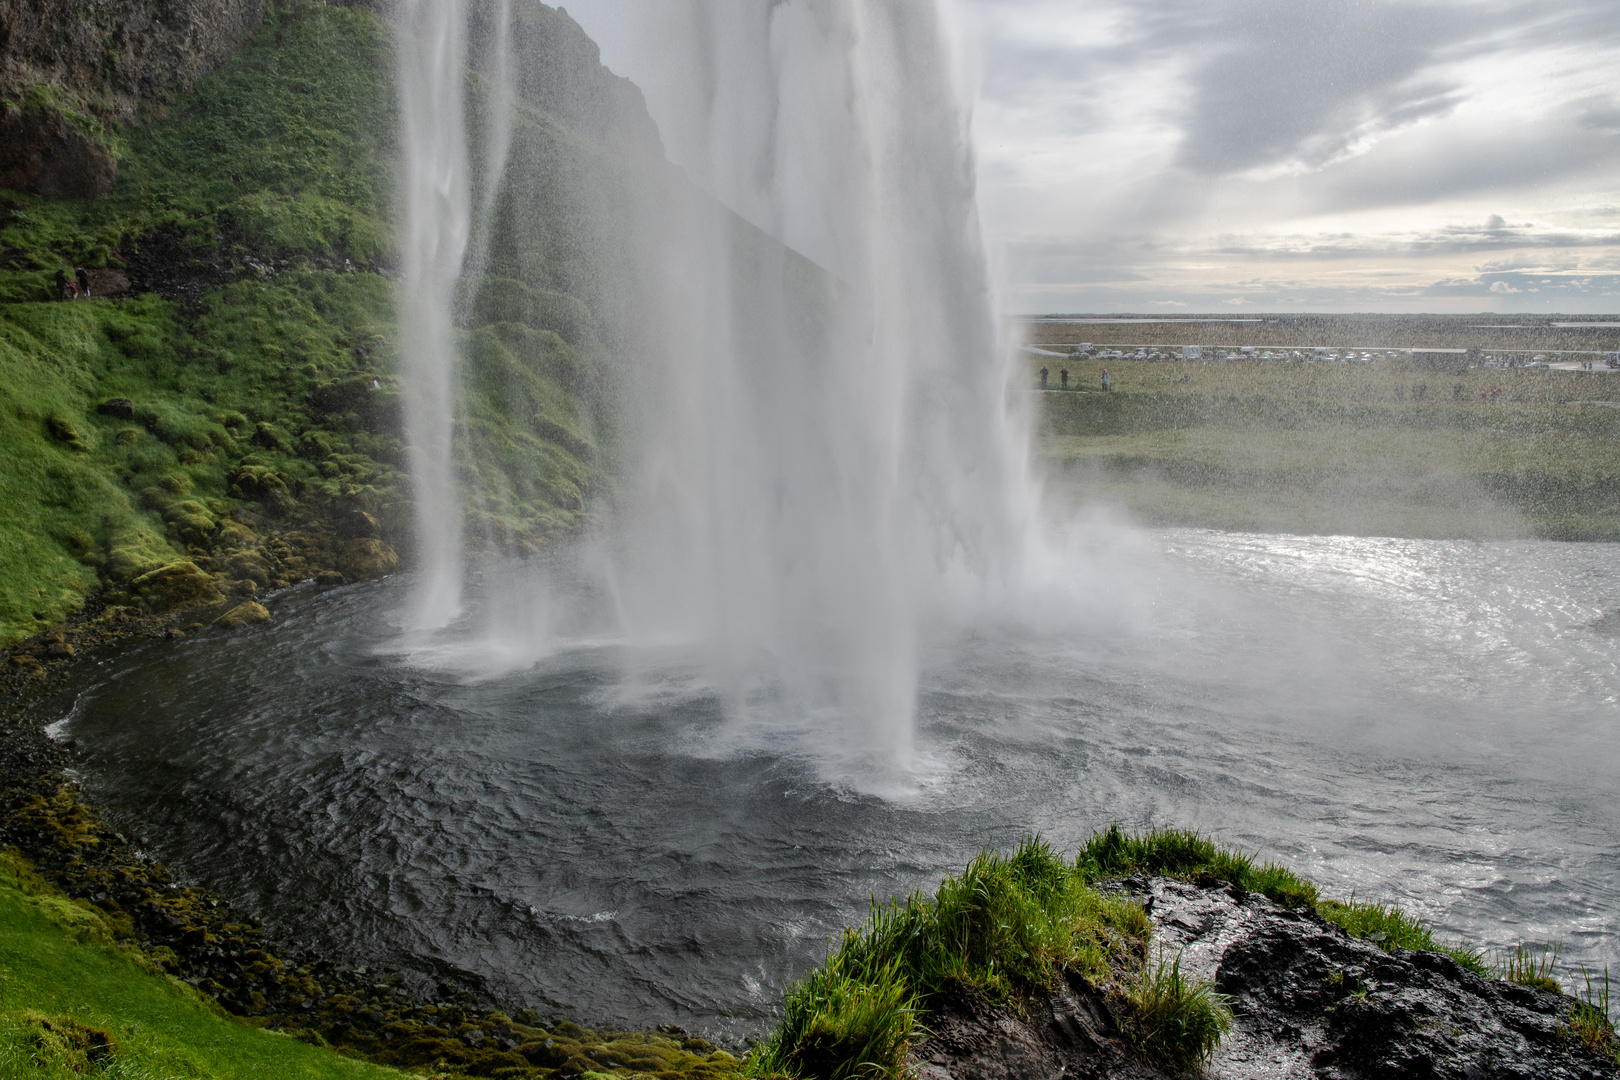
x: 176, y: 587
x: 366, y: 557
x: 243, y: 614
x: 68, y: 1043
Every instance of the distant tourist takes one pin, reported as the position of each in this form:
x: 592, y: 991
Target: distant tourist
x: 83, y: 278
x: 1457, y: 392
x: 1105, y: 378
x: 1063, y: 376
x: 61, y: 284
x: 1043, y: 378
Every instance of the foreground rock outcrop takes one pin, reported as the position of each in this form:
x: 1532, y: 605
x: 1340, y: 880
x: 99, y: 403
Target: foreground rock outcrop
x: 1308, y: 1000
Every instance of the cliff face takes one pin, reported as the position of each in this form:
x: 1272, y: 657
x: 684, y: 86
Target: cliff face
x: 220, y: 418
x: 68, y: 70
x: 116, y: 56
x: 559, y: 71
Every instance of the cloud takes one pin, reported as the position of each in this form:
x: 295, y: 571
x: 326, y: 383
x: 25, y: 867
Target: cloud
x: 1502, y: 287
x: 1601, y: 114
x: 1161, y: 153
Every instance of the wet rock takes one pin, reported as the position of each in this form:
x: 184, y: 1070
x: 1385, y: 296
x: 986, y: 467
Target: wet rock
x: 244, y: 614
x: 1309, y: 1003
x: 176, y: 587
x: 328, y: 577
x: 41, y: 152
x: 1070, y: 1033
x: 366, y: 557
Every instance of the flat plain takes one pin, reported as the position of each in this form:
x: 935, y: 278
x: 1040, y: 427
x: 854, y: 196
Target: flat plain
x: 1379, y: 448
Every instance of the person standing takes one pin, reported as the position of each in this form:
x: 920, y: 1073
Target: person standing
x: 61, y: 284
x: 1063, y: 376
x: 82, y: 276
x: 1043, y: 378
x: 1105, y: 378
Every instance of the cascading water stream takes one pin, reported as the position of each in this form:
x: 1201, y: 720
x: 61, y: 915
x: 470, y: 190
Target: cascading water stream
x: 817, y: 444
x: 829, y: 443
x: 437, y: 218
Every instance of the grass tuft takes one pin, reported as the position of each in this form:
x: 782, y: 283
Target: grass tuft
x: 842, y: 1021
x: 1391, y: 928
x: 1530, y: 965
x: 1591, y: 1022
x: 1181, y: 853
x: 1174, y: 1020
x: 1007, y: 927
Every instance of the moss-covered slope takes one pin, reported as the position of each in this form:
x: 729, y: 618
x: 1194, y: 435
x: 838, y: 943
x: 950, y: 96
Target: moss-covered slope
x: 221, y: 417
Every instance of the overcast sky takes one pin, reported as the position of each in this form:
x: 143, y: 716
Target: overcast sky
x: 1290, y: 155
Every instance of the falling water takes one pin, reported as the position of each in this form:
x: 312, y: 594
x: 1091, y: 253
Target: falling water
x: 816, y: 434
x: 825, y: 439
x: 436, y: 224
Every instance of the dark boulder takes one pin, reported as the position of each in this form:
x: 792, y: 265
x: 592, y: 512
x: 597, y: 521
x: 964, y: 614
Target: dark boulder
x: 120, y: 408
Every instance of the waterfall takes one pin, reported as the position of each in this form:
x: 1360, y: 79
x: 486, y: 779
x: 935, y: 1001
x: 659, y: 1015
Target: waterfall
x: 814, y: 443
x: 826, y: 449
x: 436, y: 222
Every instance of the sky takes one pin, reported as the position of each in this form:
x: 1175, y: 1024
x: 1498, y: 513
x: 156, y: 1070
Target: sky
x: 1179, y: 156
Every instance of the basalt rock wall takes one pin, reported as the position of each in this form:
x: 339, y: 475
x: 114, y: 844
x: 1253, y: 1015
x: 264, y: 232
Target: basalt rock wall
x: 118, y: 56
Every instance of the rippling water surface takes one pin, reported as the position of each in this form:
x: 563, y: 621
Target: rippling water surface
x: 1432, y: 723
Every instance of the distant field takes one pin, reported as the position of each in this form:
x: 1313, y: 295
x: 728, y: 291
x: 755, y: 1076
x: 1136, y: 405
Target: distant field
x: 1338, y: 448
x: 1520, y: 332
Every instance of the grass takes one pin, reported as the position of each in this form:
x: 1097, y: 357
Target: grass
x: 1173, y: 1020
x: 1332, y: 448
x: 1112, y: 852
x: 1012, y: 926
x: 1530, y: 965
x: 73, y: 1004
x: 1390, y: 928
x: 1008, y: 926
x: 1591, y: 1022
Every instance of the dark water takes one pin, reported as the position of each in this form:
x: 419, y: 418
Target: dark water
x: 1426, y: 722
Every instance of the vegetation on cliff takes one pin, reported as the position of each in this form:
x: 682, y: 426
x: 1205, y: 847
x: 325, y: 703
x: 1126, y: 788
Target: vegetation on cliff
x: 221, y: 418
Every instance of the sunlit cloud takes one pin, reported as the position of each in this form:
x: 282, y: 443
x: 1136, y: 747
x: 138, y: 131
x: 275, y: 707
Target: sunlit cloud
x: 1318, y: 153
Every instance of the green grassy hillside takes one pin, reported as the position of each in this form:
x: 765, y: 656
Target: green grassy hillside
x: 231, y: 425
